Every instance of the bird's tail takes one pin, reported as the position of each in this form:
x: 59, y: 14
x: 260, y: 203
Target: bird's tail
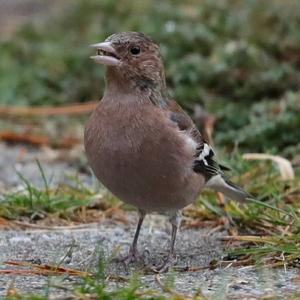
x: 221, y: 184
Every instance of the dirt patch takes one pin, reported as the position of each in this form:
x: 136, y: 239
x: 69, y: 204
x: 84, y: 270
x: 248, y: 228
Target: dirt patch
x: 195, y: 248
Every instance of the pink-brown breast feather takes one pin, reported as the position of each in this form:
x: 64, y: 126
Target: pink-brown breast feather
x: 141, y: 158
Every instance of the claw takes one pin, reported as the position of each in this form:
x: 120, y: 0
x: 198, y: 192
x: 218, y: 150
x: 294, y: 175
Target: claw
x: 167, y: 264
x: 146, y: 257
x: 132, y: 257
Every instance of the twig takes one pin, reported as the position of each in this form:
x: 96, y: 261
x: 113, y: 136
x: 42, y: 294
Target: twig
x: 38, y: 269
x: 189, y: 269
x: 73, y: 109
x: 116, y: 278
x: 248, y: 238
x: 37, y: 140
x: 284, y: 165
x: 4, y: 223
x: 36, y: 226
x: 167, y: 289
x: 213, y: 230
x: 10, y: 136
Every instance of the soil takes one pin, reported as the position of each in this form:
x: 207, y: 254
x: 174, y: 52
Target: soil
x: 196, y: 248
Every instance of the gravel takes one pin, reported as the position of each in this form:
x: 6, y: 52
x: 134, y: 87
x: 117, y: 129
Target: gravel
x: 195, y: 248
x: 58, y: 166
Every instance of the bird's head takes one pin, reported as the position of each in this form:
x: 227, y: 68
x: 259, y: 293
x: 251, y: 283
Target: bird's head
x: 133, y: 58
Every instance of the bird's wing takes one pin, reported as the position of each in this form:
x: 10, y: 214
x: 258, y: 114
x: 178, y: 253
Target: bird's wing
x: 205, y: 162
x: 184, y: 121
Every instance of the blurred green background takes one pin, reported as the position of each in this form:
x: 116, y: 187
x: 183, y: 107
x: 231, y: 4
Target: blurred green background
x: 240, y: 60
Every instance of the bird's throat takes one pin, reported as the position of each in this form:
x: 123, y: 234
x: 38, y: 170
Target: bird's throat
x: 140, y: 86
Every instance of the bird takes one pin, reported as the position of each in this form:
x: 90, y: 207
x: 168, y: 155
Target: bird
x: 142, y: 145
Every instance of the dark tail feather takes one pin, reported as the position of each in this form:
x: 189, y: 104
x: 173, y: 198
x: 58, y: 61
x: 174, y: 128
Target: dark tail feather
x: 221, y: 184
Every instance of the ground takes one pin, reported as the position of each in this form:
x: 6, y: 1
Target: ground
x: 196, y: 248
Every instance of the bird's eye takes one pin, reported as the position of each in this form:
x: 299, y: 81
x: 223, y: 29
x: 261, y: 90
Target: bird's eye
x: 135, y: 50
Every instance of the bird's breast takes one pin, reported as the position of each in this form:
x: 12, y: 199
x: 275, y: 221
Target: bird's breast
x: 137, y: 153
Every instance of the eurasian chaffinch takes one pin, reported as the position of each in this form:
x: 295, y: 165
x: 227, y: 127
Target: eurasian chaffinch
x: 141, y: 144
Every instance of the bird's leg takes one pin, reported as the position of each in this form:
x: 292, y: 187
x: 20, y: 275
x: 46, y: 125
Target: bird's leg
x: 171, y: 259
x: 133, y: 248
x: 133, y: 254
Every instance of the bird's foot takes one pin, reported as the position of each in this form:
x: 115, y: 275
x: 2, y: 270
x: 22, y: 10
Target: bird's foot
x: 170, y: 261
x: 133, y: 256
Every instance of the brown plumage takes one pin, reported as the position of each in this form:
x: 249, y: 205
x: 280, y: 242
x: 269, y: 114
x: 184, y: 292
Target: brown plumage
x: 140, y: 144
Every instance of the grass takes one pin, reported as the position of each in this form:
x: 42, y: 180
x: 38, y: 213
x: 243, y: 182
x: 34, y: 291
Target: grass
x: 269, y: 229
x: 35, y: 203
x: 65, y: 202
x: 273, y: 222
x: 98, y: 286
x: 274, y: 215
x: 267, y: 232
x: 261, y: 179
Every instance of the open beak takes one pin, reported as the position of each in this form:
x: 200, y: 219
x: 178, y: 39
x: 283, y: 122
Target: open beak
x: 106, y: 54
